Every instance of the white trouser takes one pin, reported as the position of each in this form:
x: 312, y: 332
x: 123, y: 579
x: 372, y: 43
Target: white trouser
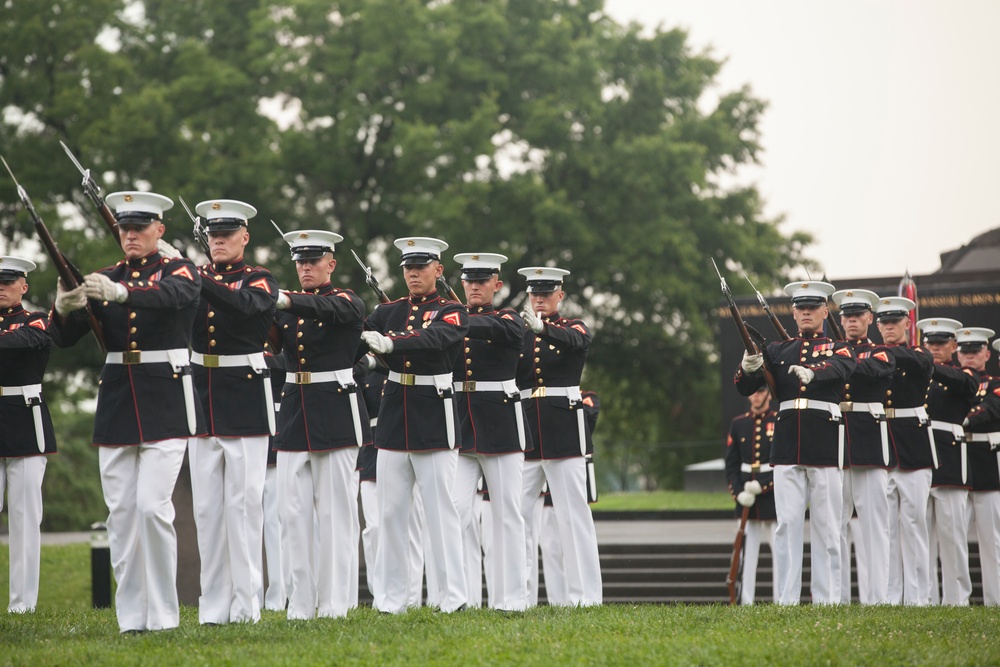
x: 22, y: 478
x: 138, y: 483
x: 755, y: 531
x: 434, y: 474
x: 274, y: 597
x: 567, y: 480
x: 507, y: 581
x: 909, y: 578
x: 369, y: 536
x: 472, y: 544
x: 822, y: 490
x: 227, y: 490
x: 420, y: 558
x: 986, y: 509
x: 553, y: 559
x: 951, y: 523
x: 866, y: 489
x: 319, y: 487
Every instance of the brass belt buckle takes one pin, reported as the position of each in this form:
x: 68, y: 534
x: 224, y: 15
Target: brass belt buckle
x: 407, y: 379
x: 469, y: 385
x: 755, y: 467
x: 800, y: 403
x: 303, y: 377
x: 890, y: 413
x: 538, y: 392
x: 847, y: 406
x: 210, y: 360
x: 1, y: 391
x: 132, y: 357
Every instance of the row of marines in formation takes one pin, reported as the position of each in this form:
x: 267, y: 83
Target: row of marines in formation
x: 901, y: 434
x: 197, y: 357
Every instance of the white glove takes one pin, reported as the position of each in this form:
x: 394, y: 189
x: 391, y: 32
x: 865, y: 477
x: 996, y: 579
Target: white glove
x: 67, y: 302
x: 167, y: 250
x: 805, y: 375
x: 965, y: 423
x: 745, y: 498
x: 283, y: 301
x: 753, y: 487
x: 370, y: 362
x: 99, y: 287
x: 751, y: 362
x: 376, y: 342
x: 533, y: 321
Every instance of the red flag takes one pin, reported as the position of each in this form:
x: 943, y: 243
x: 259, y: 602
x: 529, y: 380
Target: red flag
x: 908, y: 289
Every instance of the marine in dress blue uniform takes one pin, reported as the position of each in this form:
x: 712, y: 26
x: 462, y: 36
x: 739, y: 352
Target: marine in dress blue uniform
x: 751, y: 483
x: 26, y: 434
x: 146, y: 404
x: 553, y: 353
x: 420, y: 337
x: 493, y: 433
x: 866, y: 450
x: 807, y: 450
x: 228, y: 465
x: 321, y: 424
x: 910, y: 441
x: 982, y: 432
x: 950, y: 396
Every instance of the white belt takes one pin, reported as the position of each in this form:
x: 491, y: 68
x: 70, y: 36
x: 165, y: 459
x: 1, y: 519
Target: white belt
x: 920, y: 412
x: 573, y: 393
x: 32, y: 394
x: 28, y: 391
x: 509, y: 387
x: 748, y: 467
x: 442, y: 383
x: 811, y: 404
x: 255, y: 360
x: 875, y: 409
x: 177, y: 358
x: 373, y: 421
x: 955, y: 429
x: 992, y: 438
x: 342, y: 376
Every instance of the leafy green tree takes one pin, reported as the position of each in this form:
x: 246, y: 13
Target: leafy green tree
x: 538, y: 128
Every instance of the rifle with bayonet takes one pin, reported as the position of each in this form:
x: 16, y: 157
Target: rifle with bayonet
x: 70, y: 276
x: 767, y: 309
x: 93, y: 191
x: 836, y: 331
x: 200, y: 235
x: 370, y: 279
x: 741, y: 326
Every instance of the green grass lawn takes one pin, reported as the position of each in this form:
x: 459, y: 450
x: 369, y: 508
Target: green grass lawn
x: 64, y: 631
x: 663, y: 500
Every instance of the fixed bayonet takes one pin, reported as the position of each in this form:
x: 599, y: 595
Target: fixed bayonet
x: 370, y: 279
x: 199, y: 232
x: 767, y: 309
x: 93, y: 191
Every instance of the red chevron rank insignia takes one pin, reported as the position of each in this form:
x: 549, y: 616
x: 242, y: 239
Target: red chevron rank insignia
x: 184, y: 272
x: 506, y: 316
x: 344, y: 295
x: 882, y: 355
x: 452, y: 318
x: 38, y: 324
x: 579, y: 327
x: 262, y: 284
x: 844, y: 352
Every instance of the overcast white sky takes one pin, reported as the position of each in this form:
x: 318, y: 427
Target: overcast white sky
x: 882, y: 135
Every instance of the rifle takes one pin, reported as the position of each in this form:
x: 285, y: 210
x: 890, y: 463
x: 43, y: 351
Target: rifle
x: 70, y: 276
x: 736, y: 566
x: 370, y: 279
x: 767, y: 309
x: 93, y: 191
x: 741, y: 326
x: 200, y: 235
x: 836, y: 331
x: 448, y: 290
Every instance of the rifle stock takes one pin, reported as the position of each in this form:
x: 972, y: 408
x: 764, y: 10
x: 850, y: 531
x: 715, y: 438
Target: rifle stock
x: 70, y: 276
x: 770, y: 315
x: 448, y: 290
x: 734, y: 568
